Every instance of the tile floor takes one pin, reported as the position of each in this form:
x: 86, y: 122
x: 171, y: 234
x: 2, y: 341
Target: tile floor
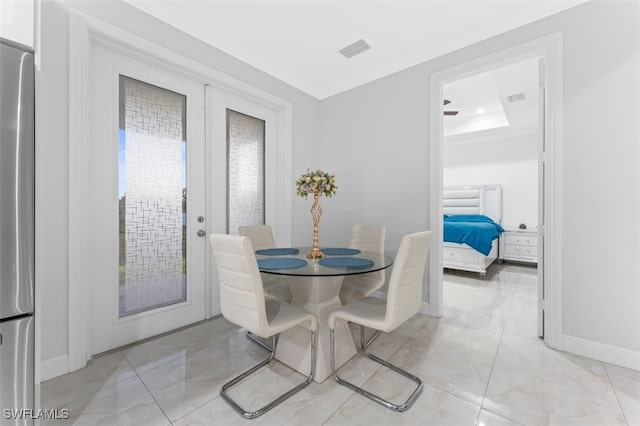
x: 482, y: 364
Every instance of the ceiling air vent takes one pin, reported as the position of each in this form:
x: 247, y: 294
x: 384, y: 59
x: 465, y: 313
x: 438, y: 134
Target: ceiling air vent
x: 355, y: 49
x: 515, y: 98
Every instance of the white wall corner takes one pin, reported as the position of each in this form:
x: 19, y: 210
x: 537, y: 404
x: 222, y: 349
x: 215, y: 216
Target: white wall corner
x: 601, y: 352
x: 54, y: 367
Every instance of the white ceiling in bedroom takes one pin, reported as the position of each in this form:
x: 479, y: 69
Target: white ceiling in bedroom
x: 504, y: 99
x: 299, y: 41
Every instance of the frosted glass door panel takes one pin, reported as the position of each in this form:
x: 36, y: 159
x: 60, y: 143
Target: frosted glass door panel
x: 245, y: 170
x: 152, y: 192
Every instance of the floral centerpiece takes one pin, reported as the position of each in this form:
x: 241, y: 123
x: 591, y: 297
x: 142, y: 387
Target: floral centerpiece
x: 317, y: 183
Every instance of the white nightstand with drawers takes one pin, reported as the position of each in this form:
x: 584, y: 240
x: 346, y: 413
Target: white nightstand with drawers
x: 519, y: 244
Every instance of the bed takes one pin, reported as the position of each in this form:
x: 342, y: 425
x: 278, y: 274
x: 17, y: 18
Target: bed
x: 472, y: 216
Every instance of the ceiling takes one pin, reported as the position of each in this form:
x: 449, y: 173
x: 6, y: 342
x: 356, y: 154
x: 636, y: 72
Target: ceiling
x: 298, y: 42
x: 504, y: 99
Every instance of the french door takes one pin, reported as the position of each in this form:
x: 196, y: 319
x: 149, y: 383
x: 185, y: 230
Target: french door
x: 249, y: 167
x: 147, y: 200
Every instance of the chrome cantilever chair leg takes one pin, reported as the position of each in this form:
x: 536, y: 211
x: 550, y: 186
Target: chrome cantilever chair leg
x: 253, y: 414
x: 255, y: 339
x: 365, y: 344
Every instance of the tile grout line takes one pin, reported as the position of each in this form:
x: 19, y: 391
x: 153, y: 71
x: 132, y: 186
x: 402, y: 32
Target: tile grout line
x: 146, y: 387
x: 495, y: 358
x: 615, y: 392
x: 153, y: 396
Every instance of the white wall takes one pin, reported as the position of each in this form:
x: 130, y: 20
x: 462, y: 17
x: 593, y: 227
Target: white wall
x: 375, y: 139
x: 602, y: 174
x: 52, y: 270
x: 17, y: 21
x: 510, y: 161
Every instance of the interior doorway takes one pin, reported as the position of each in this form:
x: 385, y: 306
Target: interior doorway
x: 549, y: 241
x: 491, y: 141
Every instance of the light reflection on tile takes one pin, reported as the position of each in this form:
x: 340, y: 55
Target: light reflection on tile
x: 486, y: 418
x: 124, y: 403
x: 186, y: 383
x: 101, y: 372
x: 481, y: 364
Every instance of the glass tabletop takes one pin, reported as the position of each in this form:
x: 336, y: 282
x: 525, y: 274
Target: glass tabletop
x: 328, y: 266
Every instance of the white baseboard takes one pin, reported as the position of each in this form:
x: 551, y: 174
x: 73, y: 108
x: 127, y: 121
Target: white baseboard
x: 54, y: 367
x: 602, y: 352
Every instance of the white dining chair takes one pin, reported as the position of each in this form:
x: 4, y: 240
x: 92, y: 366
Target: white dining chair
x: 275, y: 286
x: 261, y: 237
x: 364, y: 237
x: 243, y: 302
x: 403, y: 301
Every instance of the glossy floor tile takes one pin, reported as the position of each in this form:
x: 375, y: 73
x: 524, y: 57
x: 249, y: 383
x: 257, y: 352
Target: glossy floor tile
x: 481, y: 364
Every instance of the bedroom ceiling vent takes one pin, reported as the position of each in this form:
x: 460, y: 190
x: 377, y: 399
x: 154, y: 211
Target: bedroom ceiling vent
x: 355, y: 49
x: 515, y: 98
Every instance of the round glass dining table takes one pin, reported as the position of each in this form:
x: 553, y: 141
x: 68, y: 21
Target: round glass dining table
x: 315, y: 286
x: 344, y: 262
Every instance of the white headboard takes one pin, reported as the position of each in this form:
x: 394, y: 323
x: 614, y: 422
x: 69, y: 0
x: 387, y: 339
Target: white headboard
x: 473, y: 199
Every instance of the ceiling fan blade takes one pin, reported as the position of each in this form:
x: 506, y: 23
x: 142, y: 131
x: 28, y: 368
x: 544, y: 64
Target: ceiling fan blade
x: 451, y: 112
x: 447, y: 101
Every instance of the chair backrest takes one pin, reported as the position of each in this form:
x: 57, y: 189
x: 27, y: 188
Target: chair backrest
x: 261, y: 236
x: 404, y: 295
x: 242, y: 298
x: 367, y: 237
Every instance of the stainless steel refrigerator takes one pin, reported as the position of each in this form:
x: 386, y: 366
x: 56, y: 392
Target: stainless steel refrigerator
x: 17, y: 239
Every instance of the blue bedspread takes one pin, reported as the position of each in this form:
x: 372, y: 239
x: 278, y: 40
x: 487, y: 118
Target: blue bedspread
x: 477, y: 231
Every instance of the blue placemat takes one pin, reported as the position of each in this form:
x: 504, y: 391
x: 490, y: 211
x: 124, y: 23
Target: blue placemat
x: 345, y: 262
x: 338, y: 251
x: 277, y: 251
x: 281, y: 263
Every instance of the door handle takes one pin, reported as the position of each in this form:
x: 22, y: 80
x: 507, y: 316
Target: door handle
x: 201, y: 233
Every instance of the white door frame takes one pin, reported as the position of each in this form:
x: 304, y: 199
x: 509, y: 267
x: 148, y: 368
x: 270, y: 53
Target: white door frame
x: 86, y: 31
x: 549, y: 47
